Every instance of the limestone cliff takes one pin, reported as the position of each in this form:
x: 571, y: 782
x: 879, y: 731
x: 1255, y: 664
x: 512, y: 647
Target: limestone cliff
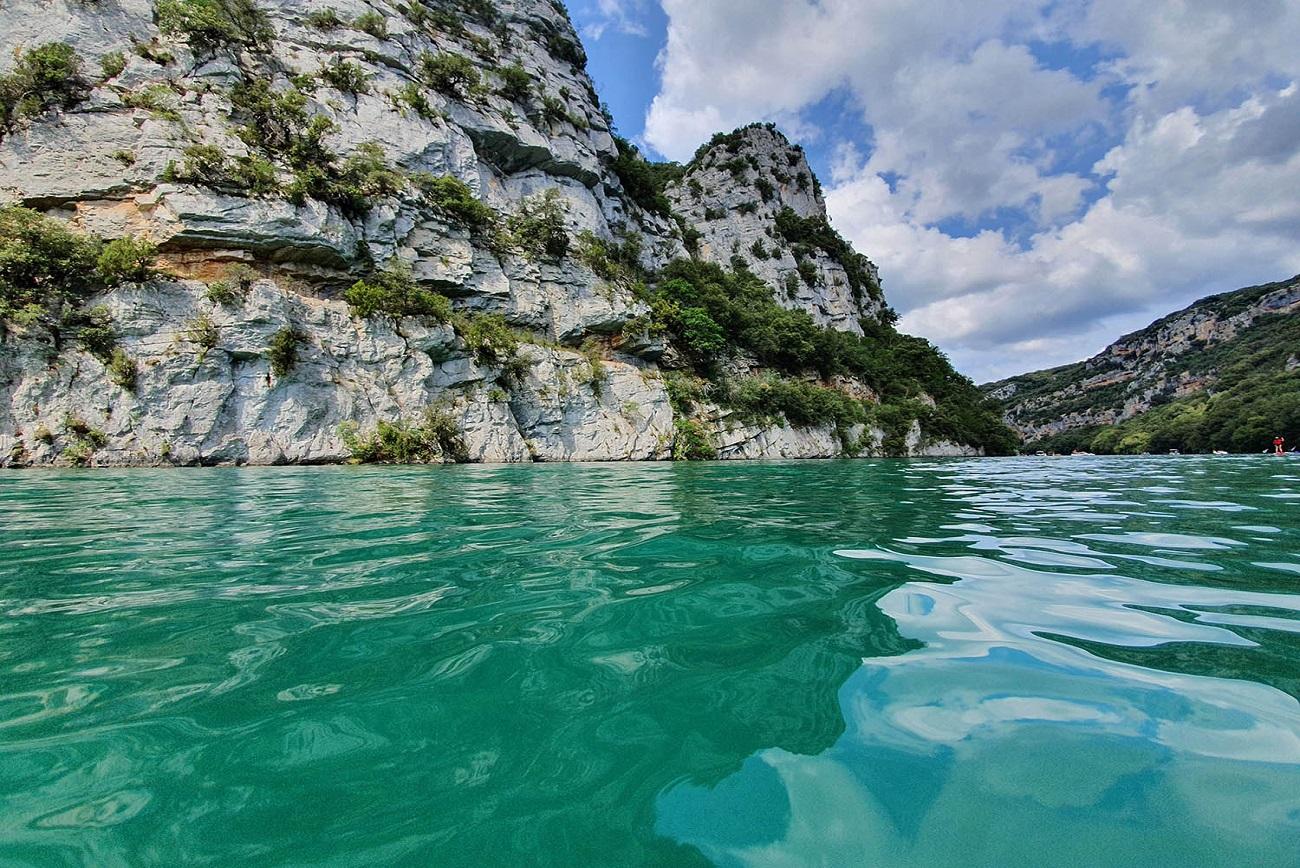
x: 286, y: 159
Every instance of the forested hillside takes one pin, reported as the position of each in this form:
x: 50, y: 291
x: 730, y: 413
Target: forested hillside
x: 1224, y: 373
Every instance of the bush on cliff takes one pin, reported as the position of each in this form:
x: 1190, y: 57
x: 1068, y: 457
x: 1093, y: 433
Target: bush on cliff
x: 47, y: 272
x: 434, y: 439
x: 452, y: 198
x: 126, y: 260
x: 538, y: 227
x: 393, y: 292
x: 450, y: 74
x: 283, y: 351
x: 43, y: 78
x: 211, y: 24
x: 644, y: 182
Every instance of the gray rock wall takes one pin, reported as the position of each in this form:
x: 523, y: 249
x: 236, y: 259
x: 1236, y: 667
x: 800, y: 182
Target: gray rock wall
x: 103, y: 166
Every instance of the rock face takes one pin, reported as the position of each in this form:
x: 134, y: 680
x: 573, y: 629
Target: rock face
x: 734, y: 192
x: 492, y: 95
x: 1179, y: 355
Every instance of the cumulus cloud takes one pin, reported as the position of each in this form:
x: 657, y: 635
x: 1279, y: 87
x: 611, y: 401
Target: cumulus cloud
x: 973, y: 111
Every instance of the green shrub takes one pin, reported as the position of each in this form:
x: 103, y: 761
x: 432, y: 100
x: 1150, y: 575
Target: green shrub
x: 277, y: 120
x: 47, y: 272
x: 818, y: 232
x: 364, y: 176
x: 324, y: 19
x: 233, y: 288
x: 48, y: 76
x: 452, y: 74
x: 157, y: 99
x: 203, y: 164
x: 765, y: 189
x: 202, y: 331
x: 760, y: 252
x: 452, y: 198
x: 122, y: 370
x: 700, y: 336
x: 152, y: 53
x: 126, y: 260
x: 538, y: 227
x: 94, y: 331
x: 644, y: 182
x: 691, y: 441
x: 516, y: 83
x: 373, y: 23
x: 411, y: 96
x: 283, y: 351
x: 211, y: 24
x: 566, y: 49
x: 346, y: 76
x: 808, y: 271
x: 256, y: 175
x: 685, y: 391
x: 45, y: 269
x: 750, y: 322
x: 85, y: 441
x: 112, y: 65
x: 394, y: 293
x: 489, y: 338
x: 208, y: 165
x: 798, y: 401
x: 435, y: 439
x: 616, y: 262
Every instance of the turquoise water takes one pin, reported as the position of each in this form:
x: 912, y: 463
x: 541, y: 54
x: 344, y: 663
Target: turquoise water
x: 1081, y: 661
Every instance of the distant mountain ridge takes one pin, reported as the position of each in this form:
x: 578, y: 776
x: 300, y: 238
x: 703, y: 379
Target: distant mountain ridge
x: 1222, y: 373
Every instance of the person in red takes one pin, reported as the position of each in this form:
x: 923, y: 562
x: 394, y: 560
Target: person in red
x: 1278, y: 442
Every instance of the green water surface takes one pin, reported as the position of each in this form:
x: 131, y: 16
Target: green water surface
x: 1080, y: 661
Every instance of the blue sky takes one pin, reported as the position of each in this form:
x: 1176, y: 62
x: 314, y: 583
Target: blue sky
x: 1033, y: 177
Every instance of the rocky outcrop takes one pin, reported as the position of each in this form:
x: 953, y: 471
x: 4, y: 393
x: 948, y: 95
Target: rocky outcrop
x: 309, y: 153
x: 734, y: 193
x: 1177, y: 356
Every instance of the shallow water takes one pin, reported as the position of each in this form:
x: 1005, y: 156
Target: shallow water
x: 1081, y: 661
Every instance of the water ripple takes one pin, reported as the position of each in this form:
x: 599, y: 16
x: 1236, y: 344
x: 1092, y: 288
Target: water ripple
x: 929, y: 663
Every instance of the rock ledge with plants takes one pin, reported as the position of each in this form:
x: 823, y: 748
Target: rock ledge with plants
x: 237, y: 232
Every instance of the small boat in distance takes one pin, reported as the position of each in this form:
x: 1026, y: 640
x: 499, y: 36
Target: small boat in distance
x: 1174, y: 452
x: 1219, y: 452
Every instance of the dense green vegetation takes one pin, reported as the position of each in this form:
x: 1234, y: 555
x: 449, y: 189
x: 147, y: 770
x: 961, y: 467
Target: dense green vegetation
x: 392, y: 292
x: 453, y: 199
x: 711, y: 314
x: 276, y: 124
x: 538, y: 227
x: 434, y: 439
x: 283, y: 351
x: 452, y: 74
x: 212, y: 24
x: 48, y: 273
x: 643, y: 181
x: 46, y: 77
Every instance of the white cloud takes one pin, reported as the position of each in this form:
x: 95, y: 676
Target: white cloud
x: 1196, y: 195
x: 623, y: 16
